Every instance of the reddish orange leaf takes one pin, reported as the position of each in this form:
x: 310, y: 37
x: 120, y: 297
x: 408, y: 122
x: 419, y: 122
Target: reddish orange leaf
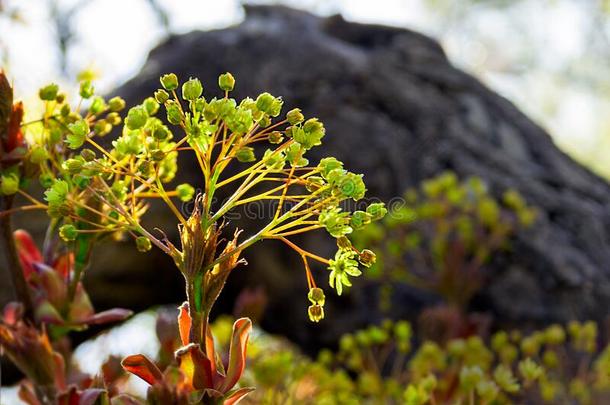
x: 141, y: 366
x: 196, y: 367
x: 184, y: 323
x: 238, y: 395
x: 28, y: 252
x: 237, y: 353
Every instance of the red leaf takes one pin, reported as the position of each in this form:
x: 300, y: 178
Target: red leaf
x: 60, y: 370
x: 210, y: 350
x: 111, y: 315
x: 15, y: 136
x: 54, y: 286
x: 28, y: 252
x: 90, y: 396
x: 69, y: 397
x: 184, y: 323
x: 13, y: 311
x: 63, y: 264
x: 141, y: 366
x: 237, y: 353
x: 238, y: 395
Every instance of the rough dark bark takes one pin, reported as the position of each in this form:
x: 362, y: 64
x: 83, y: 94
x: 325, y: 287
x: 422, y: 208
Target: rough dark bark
x: 399, y: 112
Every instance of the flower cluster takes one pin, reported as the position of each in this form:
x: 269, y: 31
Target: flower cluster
x: 96, y: 190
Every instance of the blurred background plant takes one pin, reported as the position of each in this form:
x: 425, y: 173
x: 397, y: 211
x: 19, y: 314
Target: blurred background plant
x: 387, y: 364
x: 439, y: 239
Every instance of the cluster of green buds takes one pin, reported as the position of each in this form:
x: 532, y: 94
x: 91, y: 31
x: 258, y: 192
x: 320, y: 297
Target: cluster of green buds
x: 96, y: 189
x: 383, y: 368
x: 510, y: 368
x: 93, y: 191
x: 442, y: 237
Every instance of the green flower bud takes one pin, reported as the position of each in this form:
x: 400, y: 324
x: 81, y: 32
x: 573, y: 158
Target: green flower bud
x: 264, y: 122
x: 65, y: 110
x: 64, y: 210
x: 295, y: 116
x: 505, y: 379
x: 185, y: 192
x: 360, y: 219
x: 329, y: 164
x: 316, y: 313
x: 38, y: 155
x: 102, y: 128
x: 550, y: 359
x: 226, y: 81
x: 93, y: 168
x: 245, y: 154
x: 88, y: 155
x: 169, y: 81
x: 264, y: 102
x: 68, y: 233
x: 9, y: 184
x: 487, y: 390
x: 46, y: 180
x: 116, y: 104
x: 49, y: 92
x: 367, y: 258
x: 143, y: 244
x: 151, y: 106
x: 376, y: 211
x: 97, y: 106
x: 275, y: 160
x: 73, y: 166
x: 174, y: 116
x: 192, y: 89
x: 161, y: 132
x: 113, y: 118
x: 198, y: 105
x: 316, y: 296
x: 157, y: 155
x: 86, y: 89
x: 530, y: 371
x: 81, y: 181
x: 269, y: 104
x: 161, y: 96
x: 136, y: 117
x: 347, y: 343
x: 555, y: 335
x: 352, y: 186
x: 275, y: 137
x: 78, y: 133
x: 344, y: 243
x: 470, y: 377
x: 60, y: 98
x: 530, y: 345
x: 314, y: 183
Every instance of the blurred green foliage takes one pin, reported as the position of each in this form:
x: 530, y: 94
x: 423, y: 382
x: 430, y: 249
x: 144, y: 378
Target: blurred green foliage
x: 385, y: 364
x: 442, y: 237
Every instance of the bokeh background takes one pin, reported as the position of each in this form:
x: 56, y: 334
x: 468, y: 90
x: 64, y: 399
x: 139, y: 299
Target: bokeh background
x: 550, y: 57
